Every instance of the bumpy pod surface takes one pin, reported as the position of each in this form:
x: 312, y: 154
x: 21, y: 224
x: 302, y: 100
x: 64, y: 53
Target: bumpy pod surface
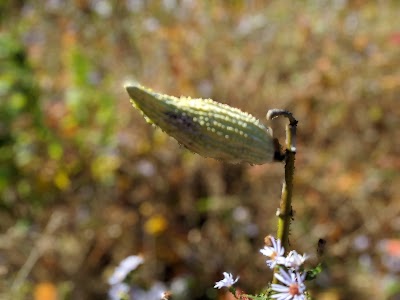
x: 206, y: 127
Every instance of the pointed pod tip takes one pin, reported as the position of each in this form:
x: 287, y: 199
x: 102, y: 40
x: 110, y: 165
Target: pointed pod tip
x: 131, y: 83
x: 136, y: 90
x: 131, y: 90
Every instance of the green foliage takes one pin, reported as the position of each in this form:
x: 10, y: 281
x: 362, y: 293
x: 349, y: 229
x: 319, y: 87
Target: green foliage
x: 21, y: 126
x: 313, y: 273
x: 34, y: 136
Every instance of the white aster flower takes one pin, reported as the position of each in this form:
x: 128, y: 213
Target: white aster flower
x: 295, y: 260
x: 125, y: 267
x: 275, y: 253
x: 118, y: 291
x: 228, y: 281
x: 155, y: 292
x: 292, y: 288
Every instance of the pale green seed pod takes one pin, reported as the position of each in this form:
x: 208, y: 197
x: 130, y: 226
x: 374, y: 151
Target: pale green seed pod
x: 206, y: 127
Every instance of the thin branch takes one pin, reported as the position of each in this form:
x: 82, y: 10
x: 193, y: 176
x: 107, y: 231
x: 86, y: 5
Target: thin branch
x: 285, y: 214
x: 53, y: 224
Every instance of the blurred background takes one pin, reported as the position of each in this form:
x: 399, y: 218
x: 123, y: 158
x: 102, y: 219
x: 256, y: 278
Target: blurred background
x: 85, y: 181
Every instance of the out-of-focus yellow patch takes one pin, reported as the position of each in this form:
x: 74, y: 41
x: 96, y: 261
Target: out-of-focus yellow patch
x: 62, y: 181
x: 45, y: 291
x: 104, y: 166
x: 375, y: 113
x: 155, y: 225
x: 329, y: 295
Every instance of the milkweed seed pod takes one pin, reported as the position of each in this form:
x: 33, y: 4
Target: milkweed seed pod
x: 206, y: 127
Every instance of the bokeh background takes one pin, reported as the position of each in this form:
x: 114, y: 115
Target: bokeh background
x: 85, y: 181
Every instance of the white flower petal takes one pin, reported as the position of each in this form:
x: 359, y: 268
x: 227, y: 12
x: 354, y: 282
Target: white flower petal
x: 274, y: 253
x: 289, y: 279
x: 126, y: 266
x: 228, y: 281
x: 279, y: 287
